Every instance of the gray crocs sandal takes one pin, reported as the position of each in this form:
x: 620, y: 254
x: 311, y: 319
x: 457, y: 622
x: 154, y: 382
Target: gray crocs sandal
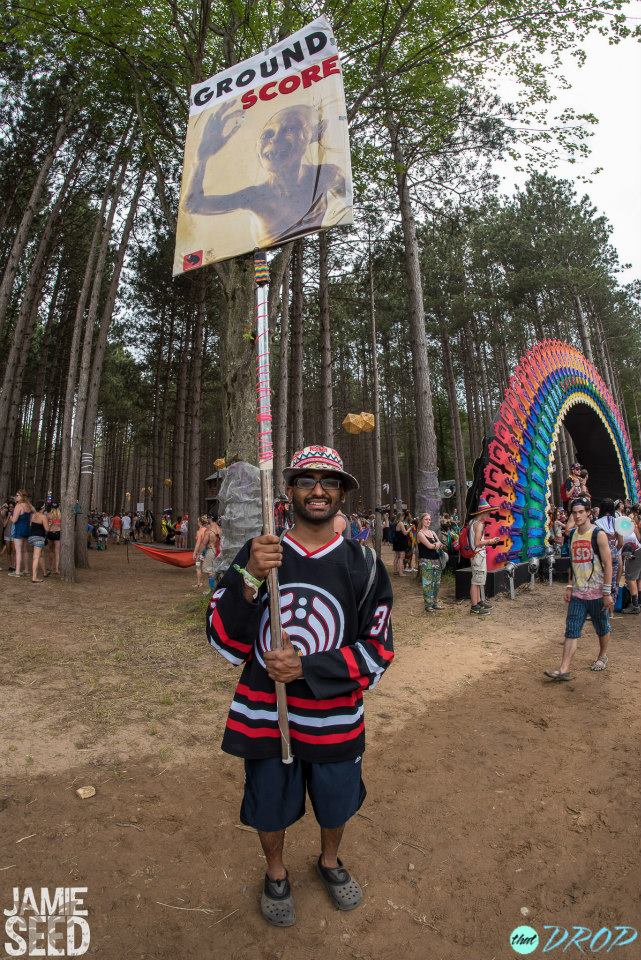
x: 277, y: 902
x: 344, y: 891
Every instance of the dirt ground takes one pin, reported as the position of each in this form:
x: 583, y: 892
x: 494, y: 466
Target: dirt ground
x: 495, y: 798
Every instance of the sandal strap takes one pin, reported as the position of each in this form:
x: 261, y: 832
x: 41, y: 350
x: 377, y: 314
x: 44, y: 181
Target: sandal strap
x: 277, y: 889
x: 335, y: 875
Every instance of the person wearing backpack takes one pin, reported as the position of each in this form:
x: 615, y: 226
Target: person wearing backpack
x: 589, y: 590
x: 473, y: 544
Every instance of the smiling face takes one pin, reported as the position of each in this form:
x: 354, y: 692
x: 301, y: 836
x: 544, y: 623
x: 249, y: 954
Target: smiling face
x: 315, y: 505
x: 284, y: 140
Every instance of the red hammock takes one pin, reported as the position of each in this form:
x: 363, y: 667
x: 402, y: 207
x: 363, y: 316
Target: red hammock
x: 177, y: 558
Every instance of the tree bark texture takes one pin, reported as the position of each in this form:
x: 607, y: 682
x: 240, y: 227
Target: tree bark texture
x: 296, y: 327
x: 427, y: 498
x: 327, y: 403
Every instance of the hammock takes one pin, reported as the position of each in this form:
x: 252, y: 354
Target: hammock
x: 177, y: 558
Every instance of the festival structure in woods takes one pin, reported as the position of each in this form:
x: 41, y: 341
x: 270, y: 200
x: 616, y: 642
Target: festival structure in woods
x: 554, y: 385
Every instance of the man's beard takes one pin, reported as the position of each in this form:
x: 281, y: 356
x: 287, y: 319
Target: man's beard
x: 300, y: 510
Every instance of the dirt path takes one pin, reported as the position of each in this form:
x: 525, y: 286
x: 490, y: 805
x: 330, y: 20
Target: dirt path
x: 490, y: 790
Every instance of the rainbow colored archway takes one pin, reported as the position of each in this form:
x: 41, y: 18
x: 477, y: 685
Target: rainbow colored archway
x: 553, y: 383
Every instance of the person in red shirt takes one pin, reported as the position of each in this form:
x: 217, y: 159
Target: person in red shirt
x: 116, y: 527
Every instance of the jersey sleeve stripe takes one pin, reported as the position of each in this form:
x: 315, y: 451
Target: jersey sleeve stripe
x: 221, y: 633
x: 237, y: 661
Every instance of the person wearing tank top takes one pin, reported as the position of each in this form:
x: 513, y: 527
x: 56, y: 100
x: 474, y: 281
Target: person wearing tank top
x: 21, y: 519
x: 37, y: 540
x: 429, y: 562
x: 589, y: 590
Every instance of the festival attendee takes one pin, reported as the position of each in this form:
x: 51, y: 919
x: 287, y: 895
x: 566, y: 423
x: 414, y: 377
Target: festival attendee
x: 631, y: 556
x: 429, y: 547
x: 479, y: 543
x: 281, y: 518
x: 211, y: 550
x: 202, y: 536
x: 177, y: 528
x: 558, y: 530
x: 38, y: 529
x: 6, y: 525
x: 53, y: 537
x: 572, y: 487
x: 184, y: 532
x: 399, y: 544
x: 410, y: 560
x: 102, y: 533
x: 116, y: 527
x: 343, y: 525
x: 385, y: 527
x: 589, y: 590
x: 605, y: 522
x: 125, y: 527
x: 21, y: 520
x: 337, y: 642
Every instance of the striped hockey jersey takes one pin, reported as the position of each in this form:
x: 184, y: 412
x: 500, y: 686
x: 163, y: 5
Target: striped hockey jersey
x: 344, y: 651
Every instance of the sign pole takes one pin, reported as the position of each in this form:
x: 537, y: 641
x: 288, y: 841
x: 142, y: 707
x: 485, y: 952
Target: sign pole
x: 266, y: 465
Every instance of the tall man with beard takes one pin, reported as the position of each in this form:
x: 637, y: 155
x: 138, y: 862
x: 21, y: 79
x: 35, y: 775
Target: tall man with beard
x: 335, y: 600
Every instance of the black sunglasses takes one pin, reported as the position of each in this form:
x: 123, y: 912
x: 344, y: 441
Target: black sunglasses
x: 308, y: 483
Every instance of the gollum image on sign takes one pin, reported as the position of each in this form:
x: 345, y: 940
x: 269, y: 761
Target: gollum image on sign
x: 268, y: 163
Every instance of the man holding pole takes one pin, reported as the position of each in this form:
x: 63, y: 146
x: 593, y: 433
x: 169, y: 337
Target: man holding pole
x: 335, y: 601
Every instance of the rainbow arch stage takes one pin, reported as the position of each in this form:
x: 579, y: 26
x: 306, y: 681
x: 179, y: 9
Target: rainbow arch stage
x: 553, y: 385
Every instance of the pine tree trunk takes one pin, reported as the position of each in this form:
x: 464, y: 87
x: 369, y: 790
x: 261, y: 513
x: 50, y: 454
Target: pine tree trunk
x: 584, y: 333
x: 376, y: 439
x: 327, y: 403
x: 27, y: 317
x: 239, y: 373
x: 91, y: 409
x: 195, y: 494
x: 457, y: 434
x: 22, y: 235
x: 427, y: 497
x: 280, y: 420
x: 296, y: 375
x: 76, y: 338
x: 71, y: 490
x: 391, y: 419
x: 178, y: 445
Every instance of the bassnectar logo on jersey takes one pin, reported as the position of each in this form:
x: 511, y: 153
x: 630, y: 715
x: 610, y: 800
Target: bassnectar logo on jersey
x: 312, y: 617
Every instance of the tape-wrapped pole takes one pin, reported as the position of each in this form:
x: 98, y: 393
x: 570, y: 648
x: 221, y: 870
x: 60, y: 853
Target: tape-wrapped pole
x: 266, y: 465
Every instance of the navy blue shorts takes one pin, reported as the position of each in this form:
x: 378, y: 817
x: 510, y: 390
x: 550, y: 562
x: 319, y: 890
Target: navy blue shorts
x: 274, y: 795
x: 578, y: 611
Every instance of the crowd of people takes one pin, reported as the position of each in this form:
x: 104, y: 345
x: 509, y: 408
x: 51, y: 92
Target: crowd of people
x: 30, y: 537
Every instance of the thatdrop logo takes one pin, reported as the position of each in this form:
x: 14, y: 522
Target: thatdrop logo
x: 524, y: 940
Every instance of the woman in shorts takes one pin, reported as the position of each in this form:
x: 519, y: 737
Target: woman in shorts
x: 53, y: 537
x: 38, y: 529
x: 6, y: 525
x: 21, y: 518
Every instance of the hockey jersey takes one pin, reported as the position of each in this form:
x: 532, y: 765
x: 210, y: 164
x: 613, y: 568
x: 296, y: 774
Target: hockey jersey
x: 343, y: 632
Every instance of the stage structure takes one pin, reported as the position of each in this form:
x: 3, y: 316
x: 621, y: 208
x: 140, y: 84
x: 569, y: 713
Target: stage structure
x: 553, y: 385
